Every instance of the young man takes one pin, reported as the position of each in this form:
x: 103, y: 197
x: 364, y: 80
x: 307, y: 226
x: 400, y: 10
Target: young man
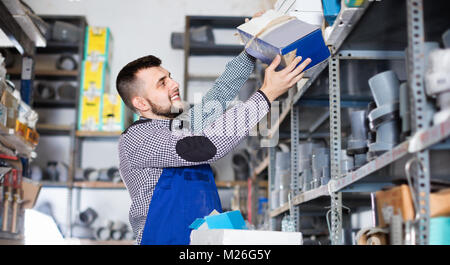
x: 166, y: 170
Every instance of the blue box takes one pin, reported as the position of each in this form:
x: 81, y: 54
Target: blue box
x: 331, y: 9
x: 227, y: 220
x: 290, y: 39
x: 197, y: 223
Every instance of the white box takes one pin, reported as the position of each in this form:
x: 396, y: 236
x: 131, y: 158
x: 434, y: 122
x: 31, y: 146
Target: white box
x: 244, y: 237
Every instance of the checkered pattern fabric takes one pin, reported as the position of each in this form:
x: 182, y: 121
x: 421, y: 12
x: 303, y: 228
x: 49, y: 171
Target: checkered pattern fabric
x: 149, y: 146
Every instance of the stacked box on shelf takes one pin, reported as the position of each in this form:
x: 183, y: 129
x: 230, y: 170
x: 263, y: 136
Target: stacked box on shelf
x: 94, y: 83
x: 101, y: 108
x: 115, y: 117
x: 95, y: 78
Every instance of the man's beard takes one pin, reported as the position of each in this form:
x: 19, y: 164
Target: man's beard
x: 171, y: 112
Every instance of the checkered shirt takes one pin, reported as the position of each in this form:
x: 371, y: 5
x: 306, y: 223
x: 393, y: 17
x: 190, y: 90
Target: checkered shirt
x: 149, y: 145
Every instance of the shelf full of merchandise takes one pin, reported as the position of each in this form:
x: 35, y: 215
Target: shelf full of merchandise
x: 417, y: 145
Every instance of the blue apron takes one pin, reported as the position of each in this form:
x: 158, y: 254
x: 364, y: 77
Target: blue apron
x: 181, y: 195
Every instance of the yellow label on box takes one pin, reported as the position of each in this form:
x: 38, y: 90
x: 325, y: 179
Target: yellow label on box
x: 90, y: 113
x: 112, y: 108
x: 93, y: 75
x: 97, y: 40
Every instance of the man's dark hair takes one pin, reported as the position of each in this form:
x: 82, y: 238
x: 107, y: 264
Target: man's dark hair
x: 126, y: 82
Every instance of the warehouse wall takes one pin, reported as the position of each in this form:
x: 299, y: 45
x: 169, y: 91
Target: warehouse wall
x: 139, y: 27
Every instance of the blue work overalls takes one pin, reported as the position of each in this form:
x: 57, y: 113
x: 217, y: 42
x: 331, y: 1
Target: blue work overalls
x: 181, y: 195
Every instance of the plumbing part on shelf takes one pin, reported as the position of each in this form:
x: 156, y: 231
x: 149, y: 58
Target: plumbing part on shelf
x: 65, y: 32
x: 283, y: 175
x: 384, y: 119
x: 357, y: 143
x: 198, y: 36
x: 347, y: 162
x: 87, y: 217
x: 66, y: 62
x: 240, y: 163
x: 66, y: 91
x: 320, y: 166
x: 438, y: 82
x: 305, y: 150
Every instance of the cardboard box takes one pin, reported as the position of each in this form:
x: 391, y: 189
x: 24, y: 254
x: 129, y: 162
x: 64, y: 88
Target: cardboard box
x: 95, y: 76
x: 90, y: 115
x: 274, y: 33
x: 244, y: 237
x: 115, y: 117
x: 98, y: 43
x: 30, y: 193
x: 440, y: 203
x: 394, y: 201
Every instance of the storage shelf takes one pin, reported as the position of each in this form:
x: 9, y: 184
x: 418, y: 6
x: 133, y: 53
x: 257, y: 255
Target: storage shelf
x: 343, y: 25
x: 54, y: 129
x: 52, y: 103
x: 53, y: 184
x: 99, y: 185
x: 97, y: 134
x: 47, y: 74
x: 302, y: 198
x: 383, y: 160
x: 242, y: 183
x: 429, y: 137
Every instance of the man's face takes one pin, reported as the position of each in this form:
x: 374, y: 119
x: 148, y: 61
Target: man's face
x: 159, y: 92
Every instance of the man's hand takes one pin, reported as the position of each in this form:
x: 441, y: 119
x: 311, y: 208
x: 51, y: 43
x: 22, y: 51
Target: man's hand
x: 277, y: 83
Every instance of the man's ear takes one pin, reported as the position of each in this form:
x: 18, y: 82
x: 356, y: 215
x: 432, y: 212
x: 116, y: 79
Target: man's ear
x: 140, y: 104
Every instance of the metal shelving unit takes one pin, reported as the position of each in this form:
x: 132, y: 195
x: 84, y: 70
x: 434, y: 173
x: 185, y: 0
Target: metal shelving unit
x: 348, y: 42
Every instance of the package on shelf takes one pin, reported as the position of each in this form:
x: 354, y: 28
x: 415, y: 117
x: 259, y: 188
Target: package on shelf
x: 27, y: 115
x: 115, y: 117
x: 274, y: 33
x: 95, y: 76
x: 394, y: 201
x: 12, y: 108
x: 305, y: 10
x: 440, y: 203
x: 98, y: 44
x: 90, y: 114
x: 331, y: 9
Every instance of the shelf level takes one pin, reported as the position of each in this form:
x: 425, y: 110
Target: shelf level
x: 97, y: 134
x: 243, y: 183
x: 302, y: 198
x: 99, y: 185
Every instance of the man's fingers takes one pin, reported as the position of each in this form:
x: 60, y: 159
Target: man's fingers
x: 300, y: 68
x: 274, y: 63
x: 296, y: 79
x: 292, y: 65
